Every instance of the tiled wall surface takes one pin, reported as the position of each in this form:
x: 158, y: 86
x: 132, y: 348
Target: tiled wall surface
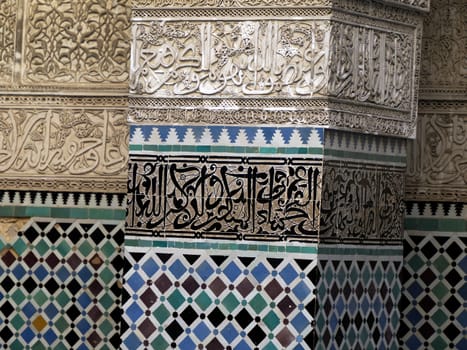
x: 357, y: 297
x: 60, y: 284
x: 434, y: 298
x: 218, y: 295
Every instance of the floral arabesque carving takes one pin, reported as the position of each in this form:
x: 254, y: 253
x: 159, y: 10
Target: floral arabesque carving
x: 63, y: 142
x: 7, y: 37
x: 85, y: 41
x: 444, y: 46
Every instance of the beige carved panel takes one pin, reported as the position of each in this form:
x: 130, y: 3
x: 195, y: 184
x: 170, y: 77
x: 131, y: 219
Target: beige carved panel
x: 437, y: 159
x: 444, y: 52
x: 417, y: 4
x: 360, y: 72
x: 80, y: 144
x: 7, y: 39
x: 76, y: 42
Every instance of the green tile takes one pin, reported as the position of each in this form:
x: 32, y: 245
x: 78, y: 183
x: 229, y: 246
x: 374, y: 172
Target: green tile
x: 42, y: 247
x: 108, y: 249
x: 258, y: 303
x: 20, y: 246
x: 63, y: 248
x: 133, y: 147
x: 17, y: 322
x: 271, y: 320
x: 85, y: 248
x: 38, y: 211
x: 40, y: 298
x: 176, y: 299
x: 106, y: 275
x: 159, y: 343
x: 79, y: 213
x: 106, y: 327
x: 20, y: 211
x: 61, y: 324
x: 162, y: 314
x: 60, y: 212
x: 230, y: 302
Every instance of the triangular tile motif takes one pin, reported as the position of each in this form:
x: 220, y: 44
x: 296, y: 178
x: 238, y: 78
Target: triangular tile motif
x: 351, y: 301
x: 66, y: 276
x: 217, y: 300
x: 434, y: 291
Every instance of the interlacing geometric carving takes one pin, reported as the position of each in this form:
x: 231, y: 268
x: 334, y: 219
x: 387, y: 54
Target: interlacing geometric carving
x: 7, y: 37
x: 63, y: 142
x: 84, y: 41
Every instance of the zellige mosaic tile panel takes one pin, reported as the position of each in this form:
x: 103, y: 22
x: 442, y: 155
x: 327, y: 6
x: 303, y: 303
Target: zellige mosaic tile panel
x: 218, y: 299
x: 60, y: 285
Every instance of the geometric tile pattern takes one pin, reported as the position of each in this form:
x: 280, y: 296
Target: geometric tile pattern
x: 357, y: 297
x: 433, y: 305
x: 60, y: 285
x: 217, y: 299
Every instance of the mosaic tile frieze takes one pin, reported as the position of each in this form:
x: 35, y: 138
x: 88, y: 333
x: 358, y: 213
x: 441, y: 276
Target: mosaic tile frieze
x: 361, y: 202
x: 66, y: 144
x: 300, y: 139
x: 60, y: 285
x: 364, y: 148
x: 224, y: 196
x: 76, y: 205
x: 218, y: 299
x: 357, y: 298
x: 434, y: 295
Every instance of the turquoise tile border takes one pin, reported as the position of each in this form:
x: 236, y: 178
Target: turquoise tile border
x: 351, y: 250
x: 62, y: 212
x: 435, y: 224
x: 365, y: 156
x: 222, y: 245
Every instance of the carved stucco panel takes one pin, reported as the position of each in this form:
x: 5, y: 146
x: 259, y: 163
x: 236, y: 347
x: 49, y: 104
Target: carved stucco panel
x: 63, y: 142
x: 437, y: 166
x: 444, y: 46
x: 76, y: 42
x: 272, y: 58
x: 7, y: 39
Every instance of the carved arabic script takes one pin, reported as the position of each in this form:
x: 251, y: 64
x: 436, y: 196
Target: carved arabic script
x: 230, y: 58
x: 226, y: 195
x: 65, y: 142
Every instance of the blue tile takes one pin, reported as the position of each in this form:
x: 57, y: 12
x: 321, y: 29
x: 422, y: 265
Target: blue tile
x: 232, y: 271
x: 205, y: 270
x: 288, y: 274
x: 177, y: 269
x: 150, y: 267
x: 135, y: 282
x: 260, y: 272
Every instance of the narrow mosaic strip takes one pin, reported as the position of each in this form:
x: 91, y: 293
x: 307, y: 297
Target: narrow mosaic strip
x: 357, y: 297
x: 435, y: 217
x: 217, y: 299
x: 360, y: 143
x: 227, y: 135
x: 60, y: 285
x: 434, y: 294
x: 224, y: 197
x: 100, y: 206
x: 62, y: 199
